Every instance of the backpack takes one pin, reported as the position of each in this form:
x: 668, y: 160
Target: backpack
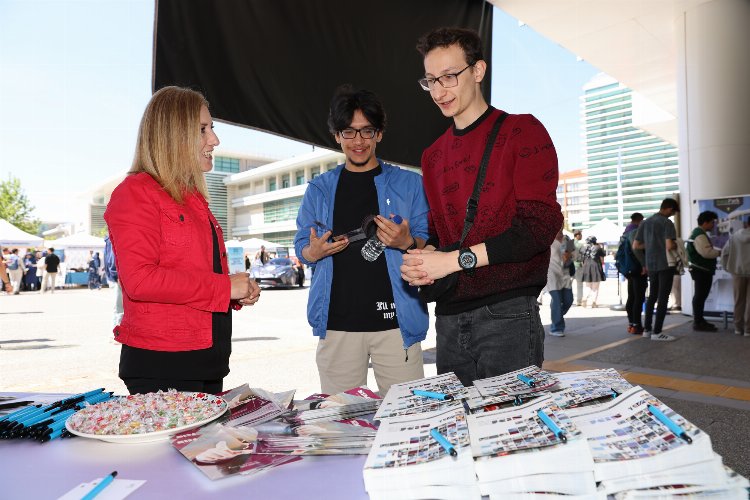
x: 110, y: 268
x: 625, y: 259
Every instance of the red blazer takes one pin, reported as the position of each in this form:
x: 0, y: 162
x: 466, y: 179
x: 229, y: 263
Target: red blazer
x: 164, y: 257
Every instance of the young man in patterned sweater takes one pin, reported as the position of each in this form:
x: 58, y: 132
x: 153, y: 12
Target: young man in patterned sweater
x: 490, y: 324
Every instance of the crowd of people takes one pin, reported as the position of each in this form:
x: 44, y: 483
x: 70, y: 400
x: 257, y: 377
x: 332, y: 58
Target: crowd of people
x: 36, y: 270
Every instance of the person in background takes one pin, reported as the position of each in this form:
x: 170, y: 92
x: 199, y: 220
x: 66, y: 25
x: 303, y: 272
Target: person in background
x: 578, y: 261
x: 247, y: 263
x: 702, y: 256
x: 51, y: 265
x: 490, y: 324
x: 262, y: 256
x: 7, y: 287
x: 177, y: 324
x: 15, y: 270
x: 735, y: 259
x: 110, y: 271
x: 360, y: 309
x: 30, y: 279
x: 39, y: 269
x: 593, y: 271
x: 559, y: 284
x: 95, y: 277
x: 655, y: 236
x: 637, y: 278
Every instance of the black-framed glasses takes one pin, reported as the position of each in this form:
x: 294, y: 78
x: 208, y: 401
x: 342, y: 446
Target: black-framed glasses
x: 365, y: 133
x: 446, y: 81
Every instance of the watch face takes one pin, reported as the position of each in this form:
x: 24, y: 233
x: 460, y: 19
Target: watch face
x: 467, y: 259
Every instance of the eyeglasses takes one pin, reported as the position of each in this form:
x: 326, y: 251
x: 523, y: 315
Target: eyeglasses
x: 447, y: 81
x: 365, y: 133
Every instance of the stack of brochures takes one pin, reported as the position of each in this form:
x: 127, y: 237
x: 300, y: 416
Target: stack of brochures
x: 532, y: 448
x: 642, y: 447
x: 588, y: 387
x: 353, y: 403
x: 516, y: 387
x: 423, y: 455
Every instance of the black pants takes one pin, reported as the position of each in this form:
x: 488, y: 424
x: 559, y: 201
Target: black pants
x: 702, y: 281
x: 660, y: 283
x: 637, y: 284
x: 145, y: 385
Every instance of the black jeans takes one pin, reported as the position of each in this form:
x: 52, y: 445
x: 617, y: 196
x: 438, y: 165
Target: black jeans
x: 661, y: 286
x: 490, y: 340
x: 637, y: 284
x: 703, y: 280
x: 145, y: 385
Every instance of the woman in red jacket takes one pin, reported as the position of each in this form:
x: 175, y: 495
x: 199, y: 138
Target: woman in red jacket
x: 169, y: 250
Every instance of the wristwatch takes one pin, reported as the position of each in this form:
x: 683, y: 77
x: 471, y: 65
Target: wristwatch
x: 467, y: 260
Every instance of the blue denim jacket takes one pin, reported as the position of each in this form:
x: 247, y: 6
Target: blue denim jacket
x: 399, y: 192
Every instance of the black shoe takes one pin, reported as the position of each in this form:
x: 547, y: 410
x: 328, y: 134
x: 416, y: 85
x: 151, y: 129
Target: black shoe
x: 704, y: 327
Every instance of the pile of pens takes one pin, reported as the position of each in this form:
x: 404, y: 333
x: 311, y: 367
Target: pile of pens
x: 47, y: 422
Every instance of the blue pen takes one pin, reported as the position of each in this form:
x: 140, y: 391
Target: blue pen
x: 671, y: 424
x: 526, y: 380
x: 433, y: 395
x: 442, y: 441
x: 552, y: 426
x: 18, y: 414
x: 99, y: 487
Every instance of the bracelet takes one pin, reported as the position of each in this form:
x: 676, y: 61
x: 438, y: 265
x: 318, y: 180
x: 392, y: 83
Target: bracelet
x: 413, y: 244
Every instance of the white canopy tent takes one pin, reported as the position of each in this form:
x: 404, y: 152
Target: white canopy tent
x: 77, y: 248
x: 256, y: 243
x: 11, y: 236
x: 605, y: 231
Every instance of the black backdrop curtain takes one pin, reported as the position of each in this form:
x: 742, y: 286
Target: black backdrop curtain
x: 273, y: 65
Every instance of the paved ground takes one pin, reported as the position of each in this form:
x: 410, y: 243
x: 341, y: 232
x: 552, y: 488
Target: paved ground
x: 61, y: 342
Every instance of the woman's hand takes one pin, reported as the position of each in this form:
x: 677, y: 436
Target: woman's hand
x: 244, y: 289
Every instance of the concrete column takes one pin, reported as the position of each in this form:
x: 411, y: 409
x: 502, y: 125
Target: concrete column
x: 713, y: 92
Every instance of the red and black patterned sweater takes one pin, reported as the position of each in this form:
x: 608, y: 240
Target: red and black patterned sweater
x: 518, y: 214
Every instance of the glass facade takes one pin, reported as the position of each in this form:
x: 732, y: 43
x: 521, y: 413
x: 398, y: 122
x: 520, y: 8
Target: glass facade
x: 224, y: 164
x: 281, y: 210
x: 648, y: 166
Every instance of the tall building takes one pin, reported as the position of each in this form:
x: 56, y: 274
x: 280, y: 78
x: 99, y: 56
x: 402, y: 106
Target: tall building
x: 573, y: 197
x: 629, y: 170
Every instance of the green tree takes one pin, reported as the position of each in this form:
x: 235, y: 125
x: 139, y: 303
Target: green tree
x: 15, y: 206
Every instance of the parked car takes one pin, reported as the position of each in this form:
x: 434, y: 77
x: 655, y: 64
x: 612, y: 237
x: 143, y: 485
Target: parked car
x: 277, y: 272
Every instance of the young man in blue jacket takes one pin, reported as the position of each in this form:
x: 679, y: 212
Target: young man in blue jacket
x: 362, y: 311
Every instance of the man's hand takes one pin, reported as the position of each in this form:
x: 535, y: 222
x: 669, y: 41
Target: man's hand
x: 423, y: 267
x: 392, y: 234
x: 320, y: 247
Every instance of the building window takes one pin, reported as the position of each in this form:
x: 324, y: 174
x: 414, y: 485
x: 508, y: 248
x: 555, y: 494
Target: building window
x: 314, y: 172
x: 224, y: 164
x: 272, y: 184
x: 281, y: 210
x: 285, y: 182
x: 299, y: 177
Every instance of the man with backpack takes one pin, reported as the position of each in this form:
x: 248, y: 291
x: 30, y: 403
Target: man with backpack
x: 629, y: 266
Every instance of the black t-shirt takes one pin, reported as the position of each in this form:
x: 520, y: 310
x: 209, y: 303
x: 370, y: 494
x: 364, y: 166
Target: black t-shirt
x: 202, y: 364
x: 361, y: 293
x: 51, y: 262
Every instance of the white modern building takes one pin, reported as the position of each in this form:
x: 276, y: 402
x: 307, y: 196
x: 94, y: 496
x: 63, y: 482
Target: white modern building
x: 263, y: 202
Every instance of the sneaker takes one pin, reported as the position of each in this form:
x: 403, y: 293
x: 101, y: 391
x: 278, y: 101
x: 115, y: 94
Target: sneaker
x: 675, y: 308
x: 646, y: 333
x: 662, y: 337
x: 637, y: 330
x: 747, y: 334
x: 557, y: 334
x: 738, y: 332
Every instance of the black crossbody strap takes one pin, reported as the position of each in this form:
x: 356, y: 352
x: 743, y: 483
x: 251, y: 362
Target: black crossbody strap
x: 473, y: 203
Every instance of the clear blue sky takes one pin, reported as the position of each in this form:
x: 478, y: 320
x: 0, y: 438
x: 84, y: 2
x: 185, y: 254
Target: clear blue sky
x: 75, y: 77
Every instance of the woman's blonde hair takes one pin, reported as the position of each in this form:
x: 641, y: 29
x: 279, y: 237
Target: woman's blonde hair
x: 169, y: 140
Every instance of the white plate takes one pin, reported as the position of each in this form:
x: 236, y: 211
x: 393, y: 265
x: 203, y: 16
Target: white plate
x: 148, y: 437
